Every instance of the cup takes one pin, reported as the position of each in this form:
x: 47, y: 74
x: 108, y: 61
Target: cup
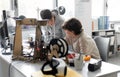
x: 78, y: 63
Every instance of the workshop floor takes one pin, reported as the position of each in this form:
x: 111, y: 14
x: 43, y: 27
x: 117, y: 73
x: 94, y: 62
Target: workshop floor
x: 115, y: 59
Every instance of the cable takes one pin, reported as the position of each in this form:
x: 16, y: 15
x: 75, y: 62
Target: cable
x: 9, y: 69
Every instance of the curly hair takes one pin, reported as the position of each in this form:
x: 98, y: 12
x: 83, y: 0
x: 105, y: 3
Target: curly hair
x: 74, y: 25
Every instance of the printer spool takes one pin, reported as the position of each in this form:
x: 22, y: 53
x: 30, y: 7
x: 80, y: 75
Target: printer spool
x: 61, y: 46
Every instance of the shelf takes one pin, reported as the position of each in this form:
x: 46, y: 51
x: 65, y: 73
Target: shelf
x: 104, y: 33
x: 107, y: 33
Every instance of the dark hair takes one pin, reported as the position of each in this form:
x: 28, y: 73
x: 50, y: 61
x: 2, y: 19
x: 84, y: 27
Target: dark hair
x: 74, y: 25
x: 46, y: 14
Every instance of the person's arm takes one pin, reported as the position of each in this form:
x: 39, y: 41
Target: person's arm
x: 58, y: 27
x: 62, y: 31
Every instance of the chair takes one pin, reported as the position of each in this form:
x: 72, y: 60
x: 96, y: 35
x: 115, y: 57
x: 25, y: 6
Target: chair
x: 103, y: 44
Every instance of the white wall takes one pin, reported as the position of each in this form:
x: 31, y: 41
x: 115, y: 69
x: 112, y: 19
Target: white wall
x: 30, y: 8
x: 69, y: 6
x: 4, y: 5
x: 80, y: 9
x: 83, y: 13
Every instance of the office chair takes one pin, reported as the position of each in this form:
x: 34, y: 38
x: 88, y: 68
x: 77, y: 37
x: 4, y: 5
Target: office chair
x: 103, y: 44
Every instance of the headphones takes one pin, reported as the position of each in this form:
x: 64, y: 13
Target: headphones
x: 53, y: 64
x: 57, y: 65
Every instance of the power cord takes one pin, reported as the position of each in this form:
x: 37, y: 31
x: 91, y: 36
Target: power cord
x: 9, y: 69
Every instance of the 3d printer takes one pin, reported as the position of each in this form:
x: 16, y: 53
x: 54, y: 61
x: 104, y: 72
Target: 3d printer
x: 57, y: 46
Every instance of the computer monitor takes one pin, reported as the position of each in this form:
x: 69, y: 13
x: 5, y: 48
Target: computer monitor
x: 4, y: 33
x: 4, y: 28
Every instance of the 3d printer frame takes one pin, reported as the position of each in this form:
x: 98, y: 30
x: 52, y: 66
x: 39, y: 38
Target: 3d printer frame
x: 17, y: 48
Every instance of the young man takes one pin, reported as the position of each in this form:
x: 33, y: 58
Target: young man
x: 54, y: 28
x: 81, y: 42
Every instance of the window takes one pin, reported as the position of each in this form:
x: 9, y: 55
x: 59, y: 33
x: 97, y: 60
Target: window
x: 113, y: 10
x: 31, y: 8
x: 97, y: 8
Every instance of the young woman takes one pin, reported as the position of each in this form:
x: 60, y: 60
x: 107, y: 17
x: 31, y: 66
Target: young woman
x: 80, y: 41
